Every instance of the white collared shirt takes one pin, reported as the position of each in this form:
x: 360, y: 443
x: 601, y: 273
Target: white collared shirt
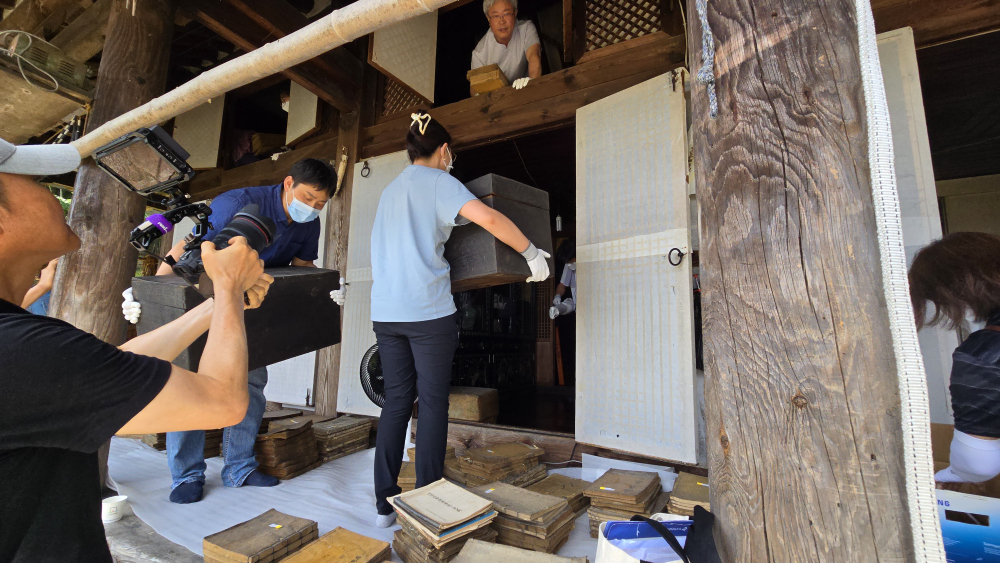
x: 511, y: 58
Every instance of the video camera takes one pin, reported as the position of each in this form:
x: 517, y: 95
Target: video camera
x: 150, y: 163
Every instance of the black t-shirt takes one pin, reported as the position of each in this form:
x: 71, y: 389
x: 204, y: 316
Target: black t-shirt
x: 63, y: 393
x: 975, y: 382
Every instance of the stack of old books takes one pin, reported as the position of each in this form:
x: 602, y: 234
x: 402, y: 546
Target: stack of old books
x: 270, y: 537
x: 620, y: 494
x: 527, y: 519
x: 288, y: 451
x: 271, y: 416
x: 283, y: 423
x: 689, y: 491
x: 449, y: 453
x: 343, y: 546
x: 481, y: 552
x: 407, y: 476
x: 341, y: 436
x: 567, y: 488
x: 436, y: 521
x: 513, y: 463
x: 213, y: 442
x: 408, y: 473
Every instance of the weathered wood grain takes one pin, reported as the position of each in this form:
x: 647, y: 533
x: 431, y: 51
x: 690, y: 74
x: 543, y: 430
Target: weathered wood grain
x: 338, y: 220
x: 90, y: 281
x: 802, y: 405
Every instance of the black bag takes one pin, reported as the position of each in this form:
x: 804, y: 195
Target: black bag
x: 700, y: 544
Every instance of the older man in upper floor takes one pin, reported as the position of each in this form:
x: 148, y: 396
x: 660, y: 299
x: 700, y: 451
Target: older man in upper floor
x: 511, y: 44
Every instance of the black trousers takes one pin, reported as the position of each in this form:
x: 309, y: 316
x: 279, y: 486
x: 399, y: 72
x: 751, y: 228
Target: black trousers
x: 416, y: 362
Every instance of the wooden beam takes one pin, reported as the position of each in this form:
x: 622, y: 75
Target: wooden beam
x: 247, y: 34
x: 84, y: 37
x: 32, y: 15
x: 89, y: 282
x: 210, y: 183
x: 547, y: 103
x: 937, y: 21
x: 338, y: 220
x: 279, y: 18
x: 805, y: 448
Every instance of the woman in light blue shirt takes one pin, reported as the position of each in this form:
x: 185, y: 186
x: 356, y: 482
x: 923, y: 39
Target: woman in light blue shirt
x: 413, y: 311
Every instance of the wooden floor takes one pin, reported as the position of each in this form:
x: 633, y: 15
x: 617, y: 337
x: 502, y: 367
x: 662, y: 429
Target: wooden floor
x: 552, y: 409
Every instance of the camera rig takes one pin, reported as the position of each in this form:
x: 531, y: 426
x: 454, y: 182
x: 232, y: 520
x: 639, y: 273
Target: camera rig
x: 159, y: 224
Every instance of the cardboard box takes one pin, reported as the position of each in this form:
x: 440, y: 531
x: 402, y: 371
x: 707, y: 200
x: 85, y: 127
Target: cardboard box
x: 296, y: 317
x: 970, y: 526
x: 476, y: 257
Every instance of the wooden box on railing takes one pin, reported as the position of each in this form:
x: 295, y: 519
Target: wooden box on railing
x: 487, y: 78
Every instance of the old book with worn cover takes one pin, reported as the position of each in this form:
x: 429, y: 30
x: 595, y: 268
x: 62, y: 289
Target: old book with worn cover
x: 267, y: 538
x: 482, y: 552
x: 342, y: 546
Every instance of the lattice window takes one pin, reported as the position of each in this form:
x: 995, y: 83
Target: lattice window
x: 614, y: 21
x: 397, y: 98
x: 544, y: 292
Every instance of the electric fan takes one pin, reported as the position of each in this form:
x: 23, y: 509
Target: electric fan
x: 371, y: 376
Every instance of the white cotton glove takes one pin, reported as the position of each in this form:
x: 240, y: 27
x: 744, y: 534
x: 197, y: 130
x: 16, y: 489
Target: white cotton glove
x: 520, y: 83
x: 339, y: 295
x: 130, y: 307
x: 536, y: 262
x: 562, y: 308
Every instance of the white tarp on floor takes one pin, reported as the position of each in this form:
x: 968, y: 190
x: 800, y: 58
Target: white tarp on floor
x: 339, y: 493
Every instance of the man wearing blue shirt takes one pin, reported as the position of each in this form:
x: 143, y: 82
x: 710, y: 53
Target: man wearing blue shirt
x: 294, y: 206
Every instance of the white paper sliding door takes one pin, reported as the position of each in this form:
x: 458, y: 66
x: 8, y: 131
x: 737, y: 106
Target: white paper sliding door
x: 635, y: 335
x: 356, y: 334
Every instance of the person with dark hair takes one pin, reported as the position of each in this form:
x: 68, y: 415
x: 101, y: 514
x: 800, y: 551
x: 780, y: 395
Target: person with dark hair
x: 960, y: 276
x: 64, y: 392
x: 294, y: 206
x: 412, y: 310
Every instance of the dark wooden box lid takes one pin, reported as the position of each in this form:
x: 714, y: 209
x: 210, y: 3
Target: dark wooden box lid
x: 173, y: 291
x: 494, y: 185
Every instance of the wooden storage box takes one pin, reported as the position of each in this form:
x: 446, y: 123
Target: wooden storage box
x: 477, y: 258
x: 478, y: 404
x: 297, y: 315
x: 487, y: 78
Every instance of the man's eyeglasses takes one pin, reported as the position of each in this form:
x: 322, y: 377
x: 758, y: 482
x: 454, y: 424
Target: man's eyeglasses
x: 496, y: 18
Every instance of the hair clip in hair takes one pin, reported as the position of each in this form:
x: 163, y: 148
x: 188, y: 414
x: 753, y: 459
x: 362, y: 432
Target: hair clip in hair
x: 422, y: 121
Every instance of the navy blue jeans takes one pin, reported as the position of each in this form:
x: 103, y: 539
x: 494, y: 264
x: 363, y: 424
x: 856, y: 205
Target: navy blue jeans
x: 186, y: 450
x: 416, y: 362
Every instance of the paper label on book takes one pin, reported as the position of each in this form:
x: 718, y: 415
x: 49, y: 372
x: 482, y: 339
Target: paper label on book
x: 488, y: 491
x: 606, y: 489
x: 276, y: 526
x: 703, y: 484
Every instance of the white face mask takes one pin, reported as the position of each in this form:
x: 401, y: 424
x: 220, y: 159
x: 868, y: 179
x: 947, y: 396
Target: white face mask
x: 451, y: 161
x: 284, y: 105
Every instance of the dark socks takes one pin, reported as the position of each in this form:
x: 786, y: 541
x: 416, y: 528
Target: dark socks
x: 258, y: 479
x: 186, y: 493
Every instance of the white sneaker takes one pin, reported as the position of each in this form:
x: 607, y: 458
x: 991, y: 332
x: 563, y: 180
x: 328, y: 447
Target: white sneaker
x: 385, y: 521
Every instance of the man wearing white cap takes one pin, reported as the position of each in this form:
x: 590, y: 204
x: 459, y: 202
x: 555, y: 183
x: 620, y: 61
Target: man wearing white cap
x: 64, y: 392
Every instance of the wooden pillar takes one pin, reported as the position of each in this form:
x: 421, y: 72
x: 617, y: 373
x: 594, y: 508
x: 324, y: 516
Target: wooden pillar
x: 803, y: 411
x: 327, y: 379
x: 89, y: 282
x: 338, y: 219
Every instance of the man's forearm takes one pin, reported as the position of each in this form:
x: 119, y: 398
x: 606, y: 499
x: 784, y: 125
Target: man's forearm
x: 225, y: 355
x: 168, y: 341
x: 33, y: 294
